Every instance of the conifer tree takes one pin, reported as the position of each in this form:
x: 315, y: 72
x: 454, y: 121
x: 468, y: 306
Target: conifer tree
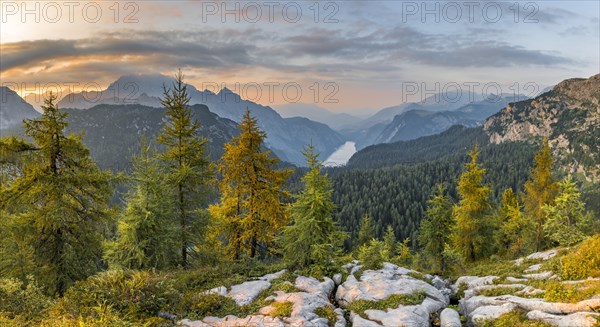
x: 146, y: 234
x: 313, y: 239
x: 390, y: 244
x: 188, y: 169
x: 540, y: 190
x: 436, y: 229
x: 250, y: 213
x: 60, y: 201
x: 566, y: 221
x: 366, y: 232
x: 515, y: 231
x: 474, y: 229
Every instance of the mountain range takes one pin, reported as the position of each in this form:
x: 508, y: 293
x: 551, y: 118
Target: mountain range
x: 286, y: 137
x: 568, y: 116
x: 13, y: 109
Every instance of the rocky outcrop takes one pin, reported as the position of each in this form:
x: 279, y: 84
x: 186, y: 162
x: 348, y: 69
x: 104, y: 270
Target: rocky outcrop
x: 377, y: 285
x: 450, y: 318
x: 247, y: 292
x: 478, y: 308
x: 569, y: 116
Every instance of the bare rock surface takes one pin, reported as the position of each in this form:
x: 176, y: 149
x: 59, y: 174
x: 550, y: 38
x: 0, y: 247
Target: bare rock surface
x: 450, y: 318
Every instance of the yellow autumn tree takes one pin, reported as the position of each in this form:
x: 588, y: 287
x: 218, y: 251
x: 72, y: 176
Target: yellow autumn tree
x: 250, y: 212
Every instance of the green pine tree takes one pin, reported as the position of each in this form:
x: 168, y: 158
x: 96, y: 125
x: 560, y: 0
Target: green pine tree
x: 540, y: 190
x: 188, y: 169
x: 566, y: 221
x: 390, y: 244
x: 313, y: 239
x: 366, y: 232
x: 436, y: 229
x: 515, y: 231
x: 474, y: 228
x: 60, y: 202
x: 146, y: 234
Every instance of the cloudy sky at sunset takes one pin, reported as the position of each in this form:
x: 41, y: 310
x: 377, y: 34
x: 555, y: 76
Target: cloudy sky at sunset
x: 368, y: 48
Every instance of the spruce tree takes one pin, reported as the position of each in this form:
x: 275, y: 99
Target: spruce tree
x: 436, y: 229
x: 566, y: 221
x: 146, y: 234
x: 366, y: 232
x: 60, y: 202
x: 390, y: 244
x: 515, y: 231
x: 250, y: 213
x: 540, y: 190
x: 313, y: 239
x: 188, y: 170
x: 474, y: 229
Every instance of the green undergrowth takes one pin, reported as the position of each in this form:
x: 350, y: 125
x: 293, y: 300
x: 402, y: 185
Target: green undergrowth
x: 392, y: 302
x: 420, y: 276
x: 579, y: 263
x: 516, y: 318
x: 563, y: 292
x: 282, y: 309
x: 327, y: 313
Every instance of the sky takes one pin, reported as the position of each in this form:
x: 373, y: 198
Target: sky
x: 346, y: 56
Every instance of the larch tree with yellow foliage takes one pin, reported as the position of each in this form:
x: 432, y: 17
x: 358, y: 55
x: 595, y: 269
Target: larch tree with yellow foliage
x: 250, y: 213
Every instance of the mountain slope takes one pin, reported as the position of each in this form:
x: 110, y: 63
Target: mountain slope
x: 569, y: 116
x: 416, y: 123
x: 286, y: 138
x: 13, y: 109
x: 112, y: 132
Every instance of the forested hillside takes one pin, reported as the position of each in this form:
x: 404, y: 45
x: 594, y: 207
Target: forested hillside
x: 397, y: 195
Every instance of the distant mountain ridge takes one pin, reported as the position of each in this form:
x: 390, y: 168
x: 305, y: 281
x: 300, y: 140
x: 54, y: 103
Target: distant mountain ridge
x: 337, y: 121
x: 112, y: 132
x: 421, y: 119
x: 285, y: 137
x: 13, y: 109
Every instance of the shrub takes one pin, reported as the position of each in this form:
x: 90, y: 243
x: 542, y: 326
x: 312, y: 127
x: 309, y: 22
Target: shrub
x: 393, y: 301
x: 20, y: 302
x: 371, y: 255
x: 562, y: 292
x: 99, y: 316
x: 584, y: 262
x: 514, y: 318
x: 138, y: 294
x: 282, y: 309
x: 327, y: 313
x: 214, y: 305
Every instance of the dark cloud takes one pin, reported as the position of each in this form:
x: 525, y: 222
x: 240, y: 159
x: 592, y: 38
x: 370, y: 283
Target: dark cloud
x: 322, y: 51
x: 179, y: 48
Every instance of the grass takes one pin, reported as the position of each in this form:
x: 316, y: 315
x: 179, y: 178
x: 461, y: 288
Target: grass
x: 497, y: 291
x: 282, y: 309
x: 460, y: 292
x: 514, y: 318
x: 420, y: 276
x: 572, y: 293
x: 391, y: 302
x: 584, y: 262
x: 327, y: 313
